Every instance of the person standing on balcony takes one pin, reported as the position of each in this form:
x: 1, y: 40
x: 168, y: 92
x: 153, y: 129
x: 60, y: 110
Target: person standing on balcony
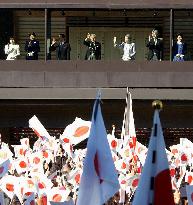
x: 12, y: 50
x: 155, y: 46
x: 94, y: 48
x: 62, y: 48
x: 179, y: 49
x: 32, y: 47
x: 128, y: 48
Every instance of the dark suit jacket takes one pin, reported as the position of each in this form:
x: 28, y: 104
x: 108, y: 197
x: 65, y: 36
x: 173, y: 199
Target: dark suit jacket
x: 62, y: 50
x: 32, y: 46
x: 157, y: 49
x: 175, y: 49
x: 93, y: 48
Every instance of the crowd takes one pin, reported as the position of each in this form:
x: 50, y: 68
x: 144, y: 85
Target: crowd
x: 50, y: 169
x: 62, y: 48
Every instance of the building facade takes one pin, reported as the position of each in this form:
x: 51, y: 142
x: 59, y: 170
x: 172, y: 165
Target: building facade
x: 58, y: 91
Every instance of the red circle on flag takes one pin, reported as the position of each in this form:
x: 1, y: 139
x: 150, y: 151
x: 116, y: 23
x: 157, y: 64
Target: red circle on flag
x: 36, y: 160
x: 57, y: 198
x: 113, y: 143
x: 135, y: 182
x: 135, y: 158
x: 190, y: 179
x: 77, y: 178
x: 184, y: 157
x: 66, y: 140
x: 139, y: 170
x: 1, y: 170
x: 41, y: 185
x: 28, y: 193
x: 123, y: 182
x: 81, y: 131
x: 172, y: 172
x: 131, y: 145
x: 22, y: 164
x: 10, y: 187
x: 123, y: 165
x: 45, y: 154
x: 21, y: 151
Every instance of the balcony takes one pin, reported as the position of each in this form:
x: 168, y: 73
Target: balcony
x: 77, y: 74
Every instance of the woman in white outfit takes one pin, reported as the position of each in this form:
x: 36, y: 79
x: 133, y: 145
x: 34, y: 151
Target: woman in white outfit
x: 127, y: 46
x: 12, y: 50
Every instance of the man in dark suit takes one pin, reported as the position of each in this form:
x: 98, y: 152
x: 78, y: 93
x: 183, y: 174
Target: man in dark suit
x: 32, y: 47
x: 94, y: 48
x: 155, y: 46
x: 62, y: 48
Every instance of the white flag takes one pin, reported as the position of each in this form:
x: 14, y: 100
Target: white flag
x: 99, y: 180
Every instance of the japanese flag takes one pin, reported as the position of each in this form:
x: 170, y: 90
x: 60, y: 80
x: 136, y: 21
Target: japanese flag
x: 189, y: 190
x: 36, y: 160
x: 39, y: 129
x: 28, y: 187
x: 21, y: 165
x: 20, y: 150
x: 175, y: 149
x: 77, y: 131
x: 133, y: 182
x: 43, y: 184
x: 58, y: 194
x: 113, y: 143
x: 189, y: 178
x: 9, y: 184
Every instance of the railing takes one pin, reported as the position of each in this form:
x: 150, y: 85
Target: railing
x: 94, y: 74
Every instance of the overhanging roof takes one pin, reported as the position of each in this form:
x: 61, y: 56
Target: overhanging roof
x: 100, y: 4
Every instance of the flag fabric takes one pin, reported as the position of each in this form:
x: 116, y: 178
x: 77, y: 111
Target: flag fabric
x: 2, y: 199
x: 128, y: 128
x: 76, y: 132
x: 189, y: 191
x: 39, y: 129
x: 58, y: 194
x: 155, y: 182
x: 70, y: 202
x: 30, y: 199
x: 4, y: 167
x: 9, y: 184
x: 99, y: 180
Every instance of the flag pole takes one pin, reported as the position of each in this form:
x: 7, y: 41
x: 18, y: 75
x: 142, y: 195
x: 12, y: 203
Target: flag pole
x: 157, y: 105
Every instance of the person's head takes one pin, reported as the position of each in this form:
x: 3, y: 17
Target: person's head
x: 179, y: 37
x: 127, y: 38
x: 32, y: 36
x: 176, y: 197
x: 116, y: 197
x: 93, y: 37
x: 11, y: 40
x: 62, y: 37
x: 154, y: 33
x: 45, y: 165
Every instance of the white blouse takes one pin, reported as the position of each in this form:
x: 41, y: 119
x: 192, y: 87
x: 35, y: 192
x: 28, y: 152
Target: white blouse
x: 12, y: 51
